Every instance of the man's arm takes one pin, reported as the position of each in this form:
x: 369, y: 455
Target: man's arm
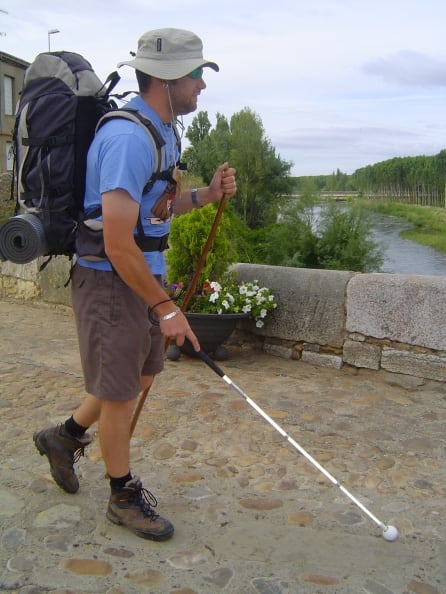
x: 119, y: 214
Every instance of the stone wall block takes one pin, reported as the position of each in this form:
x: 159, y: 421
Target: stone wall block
x: 26, y: 272
x: 420, y: 365
x: 398, y: 307
x: 278, y: 350
x: 19, y: 281
x: 322, y: 359
x: 311, y: 303
x: 27, y: 281
x: 362, y: 354
x: 54, y: 279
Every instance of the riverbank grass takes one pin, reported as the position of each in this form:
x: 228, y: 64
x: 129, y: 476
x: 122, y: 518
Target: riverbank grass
x: 429, y: 223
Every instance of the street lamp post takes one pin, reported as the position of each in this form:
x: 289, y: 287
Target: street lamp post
x: 51, y: 32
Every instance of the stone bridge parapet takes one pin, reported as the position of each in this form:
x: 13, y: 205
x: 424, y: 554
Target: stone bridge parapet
x: 332, y: 318
x: 376, y: 321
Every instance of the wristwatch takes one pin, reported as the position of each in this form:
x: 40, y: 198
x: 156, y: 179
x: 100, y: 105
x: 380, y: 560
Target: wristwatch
x: 194, y: 196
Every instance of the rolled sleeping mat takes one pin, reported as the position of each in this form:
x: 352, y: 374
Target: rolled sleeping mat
x: 22, y: 239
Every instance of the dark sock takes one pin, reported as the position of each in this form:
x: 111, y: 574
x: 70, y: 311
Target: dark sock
x: 118, y: 483
x: 74, y: 429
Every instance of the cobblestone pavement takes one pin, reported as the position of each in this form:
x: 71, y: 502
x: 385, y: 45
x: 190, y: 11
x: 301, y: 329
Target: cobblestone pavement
x: 252, y: 515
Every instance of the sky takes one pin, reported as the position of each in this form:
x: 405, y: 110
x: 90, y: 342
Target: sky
x: 337, y: 84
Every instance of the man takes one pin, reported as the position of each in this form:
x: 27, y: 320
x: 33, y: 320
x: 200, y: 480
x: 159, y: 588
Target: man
x: 121, y: 346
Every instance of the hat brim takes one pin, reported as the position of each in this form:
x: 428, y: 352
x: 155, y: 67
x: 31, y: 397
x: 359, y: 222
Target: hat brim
x: 165, y: 70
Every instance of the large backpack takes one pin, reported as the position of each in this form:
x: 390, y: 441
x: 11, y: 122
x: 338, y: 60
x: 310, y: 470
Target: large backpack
x: 60, y: 106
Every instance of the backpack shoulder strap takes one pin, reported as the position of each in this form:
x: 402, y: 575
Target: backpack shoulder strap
x: 158, y: 143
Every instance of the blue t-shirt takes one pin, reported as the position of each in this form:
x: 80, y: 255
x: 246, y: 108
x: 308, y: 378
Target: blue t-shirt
x: 122, y: 156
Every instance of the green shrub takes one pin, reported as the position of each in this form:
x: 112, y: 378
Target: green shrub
x: 188, y: 236
x: 313, y: 235
x: 344, y: 241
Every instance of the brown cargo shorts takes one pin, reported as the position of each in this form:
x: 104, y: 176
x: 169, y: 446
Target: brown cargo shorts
x: 118, y: 344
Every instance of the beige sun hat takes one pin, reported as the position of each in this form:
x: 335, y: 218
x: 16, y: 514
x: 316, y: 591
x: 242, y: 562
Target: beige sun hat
x: 169, y: 54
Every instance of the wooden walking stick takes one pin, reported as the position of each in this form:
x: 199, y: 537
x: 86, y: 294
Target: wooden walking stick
x: 187, y: 297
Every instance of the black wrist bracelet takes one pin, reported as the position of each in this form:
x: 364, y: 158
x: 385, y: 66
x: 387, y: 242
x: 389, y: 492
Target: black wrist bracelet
x: 159, y: 303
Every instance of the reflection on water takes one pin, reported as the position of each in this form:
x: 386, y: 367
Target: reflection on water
x: 403, y: 256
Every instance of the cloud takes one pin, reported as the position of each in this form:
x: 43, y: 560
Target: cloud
x: 349, y: 148
x: 336, y: 140
x: 312, y: 70
x: 409, y: 68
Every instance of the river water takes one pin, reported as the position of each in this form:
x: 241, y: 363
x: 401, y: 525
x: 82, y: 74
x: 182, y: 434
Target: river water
x: 403, y: 256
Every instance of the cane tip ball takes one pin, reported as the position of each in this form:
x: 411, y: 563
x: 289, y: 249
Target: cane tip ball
x: 173, y: 352
x: 390, y: 533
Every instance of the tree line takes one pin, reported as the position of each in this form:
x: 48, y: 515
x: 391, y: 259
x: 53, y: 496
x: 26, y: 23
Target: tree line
x: 414, y: 180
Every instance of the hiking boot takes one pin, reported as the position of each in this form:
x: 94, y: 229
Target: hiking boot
x: 62, y: 451
x: 133, y: 508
